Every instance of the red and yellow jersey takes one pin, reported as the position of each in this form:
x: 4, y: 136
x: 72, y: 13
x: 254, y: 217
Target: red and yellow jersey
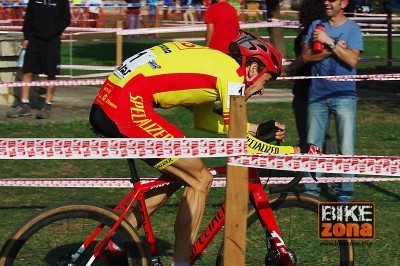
x: 168, y: 75
x: 177, y: 73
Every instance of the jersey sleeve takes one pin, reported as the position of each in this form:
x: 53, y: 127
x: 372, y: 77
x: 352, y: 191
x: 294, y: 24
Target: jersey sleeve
x: 206, y: 119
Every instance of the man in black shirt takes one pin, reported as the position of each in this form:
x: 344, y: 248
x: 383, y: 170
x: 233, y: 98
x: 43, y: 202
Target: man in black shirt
x: 44, y: 23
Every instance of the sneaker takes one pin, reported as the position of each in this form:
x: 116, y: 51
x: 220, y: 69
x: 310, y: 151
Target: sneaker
x: 343, y: 199
x: 21, y: 110
x: 45, y: 112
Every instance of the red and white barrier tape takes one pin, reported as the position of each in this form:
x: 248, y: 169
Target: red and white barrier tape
x: 235, y: 149
x: 119, y: 148
x: 45, y: 83
x: 386, y: 166
x: 86, y: 67
x: 89, y: 82
x: 125, y: 183
x: 348, y: 77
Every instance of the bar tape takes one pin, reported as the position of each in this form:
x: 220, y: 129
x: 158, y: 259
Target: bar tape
x: 125, y: 183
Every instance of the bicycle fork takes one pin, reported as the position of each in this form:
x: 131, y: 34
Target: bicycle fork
x: 278, y: 253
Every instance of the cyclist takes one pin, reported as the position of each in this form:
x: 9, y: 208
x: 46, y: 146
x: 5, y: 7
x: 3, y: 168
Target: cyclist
x: 183, y: 73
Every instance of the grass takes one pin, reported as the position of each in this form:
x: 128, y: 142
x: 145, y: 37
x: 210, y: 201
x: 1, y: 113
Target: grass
x: 376, y: 135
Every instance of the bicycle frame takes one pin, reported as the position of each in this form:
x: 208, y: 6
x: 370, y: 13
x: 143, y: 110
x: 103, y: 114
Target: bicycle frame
x: 257, y: 196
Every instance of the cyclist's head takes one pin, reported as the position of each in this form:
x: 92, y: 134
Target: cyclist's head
x: 249, y: 48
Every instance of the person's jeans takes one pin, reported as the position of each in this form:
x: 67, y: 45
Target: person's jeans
x: 133, y: 21
x: 344, y: 113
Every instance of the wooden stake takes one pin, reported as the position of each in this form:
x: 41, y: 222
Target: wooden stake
x: 236, y: 192
x: 118, y: 60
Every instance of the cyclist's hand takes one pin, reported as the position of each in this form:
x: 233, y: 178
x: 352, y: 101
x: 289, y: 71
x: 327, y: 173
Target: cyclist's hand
x: 270, y: 131
x: 307, y: 149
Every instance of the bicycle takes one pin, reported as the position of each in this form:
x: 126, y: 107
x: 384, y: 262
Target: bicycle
x: 281, y: 230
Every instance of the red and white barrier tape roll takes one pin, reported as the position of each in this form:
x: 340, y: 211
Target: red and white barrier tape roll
x: 54, y: 148
x: 325, y: 164
x: 125, y: 183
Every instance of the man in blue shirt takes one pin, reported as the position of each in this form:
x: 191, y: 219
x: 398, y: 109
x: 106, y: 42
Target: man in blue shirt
x: 342, y: 41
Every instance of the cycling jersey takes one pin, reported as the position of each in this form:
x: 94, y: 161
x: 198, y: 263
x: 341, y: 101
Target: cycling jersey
x: 168, y: 75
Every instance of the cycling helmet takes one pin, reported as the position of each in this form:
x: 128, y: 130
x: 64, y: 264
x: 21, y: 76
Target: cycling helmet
x: 249, y: 45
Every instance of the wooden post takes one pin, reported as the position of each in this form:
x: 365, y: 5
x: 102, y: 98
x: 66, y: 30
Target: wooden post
x: 389, y: 39
x: 242, y: 17
x: 236, y: 192
x: 119, y: 37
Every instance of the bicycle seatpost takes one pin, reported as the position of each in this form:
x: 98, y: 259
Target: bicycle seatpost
x: 132, y: 168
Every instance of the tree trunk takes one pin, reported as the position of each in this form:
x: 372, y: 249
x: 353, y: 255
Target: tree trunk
x: 275, y: 34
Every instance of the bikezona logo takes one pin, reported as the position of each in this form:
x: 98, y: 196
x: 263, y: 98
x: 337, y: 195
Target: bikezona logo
x: 345, y: 221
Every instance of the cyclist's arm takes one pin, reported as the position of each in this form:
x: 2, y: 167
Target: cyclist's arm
x: 205, y: 119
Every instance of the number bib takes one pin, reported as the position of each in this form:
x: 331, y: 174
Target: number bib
x: 133, y: 62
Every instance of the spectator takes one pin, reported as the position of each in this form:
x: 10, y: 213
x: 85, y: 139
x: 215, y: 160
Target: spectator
x: 222, y: 25
x: 365, y: 8
x: 197, y: 4
x: 78, y: 15
x: 343, y: 44
x: 264, y: 8
x: 152, y: 4
x: 168, y: 7
x: 43, y: 26
x: 133, y: 14
x: 188, y: 14
x: 13, y: 13
x: 310, y: 10
x: 94, y: 8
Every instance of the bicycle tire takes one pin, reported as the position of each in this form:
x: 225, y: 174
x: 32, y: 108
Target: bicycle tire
x: 48, y: 236
x: 300, y: 234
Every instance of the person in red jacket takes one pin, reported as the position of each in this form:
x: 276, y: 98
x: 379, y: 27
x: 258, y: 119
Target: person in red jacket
x: 222, y: 25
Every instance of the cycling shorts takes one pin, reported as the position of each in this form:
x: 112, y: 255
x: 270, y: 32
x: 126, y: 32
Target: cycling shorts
x: 101, y: 122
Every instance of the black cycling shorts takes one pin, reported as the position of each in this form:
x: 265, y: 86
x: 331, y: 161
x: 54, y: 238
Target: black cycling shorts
x: 102, y: 124
x: 42, y: 57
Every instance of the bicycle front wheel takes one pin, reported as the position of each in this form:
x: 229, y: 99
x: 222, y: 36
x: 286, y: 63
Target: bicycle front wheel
x: 54, y: 234
x: 297, y: 218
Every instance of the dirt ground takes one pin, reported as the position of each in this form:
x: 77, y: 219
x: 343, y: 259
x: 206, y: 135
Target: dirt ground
x: 70, y: 103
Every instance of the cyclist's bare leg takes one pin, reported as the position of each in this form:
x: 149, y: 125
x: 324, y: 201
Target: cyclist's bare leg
x: 197, y: 181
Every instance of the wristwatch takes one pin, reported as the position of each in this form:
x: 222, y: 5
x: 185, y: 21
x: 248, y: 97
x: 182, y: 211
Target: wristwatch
x: 333, y: 45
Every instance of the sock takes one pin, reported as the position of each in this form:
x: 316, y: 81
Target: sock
x: 24, y: 101
x: 46, y: 102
